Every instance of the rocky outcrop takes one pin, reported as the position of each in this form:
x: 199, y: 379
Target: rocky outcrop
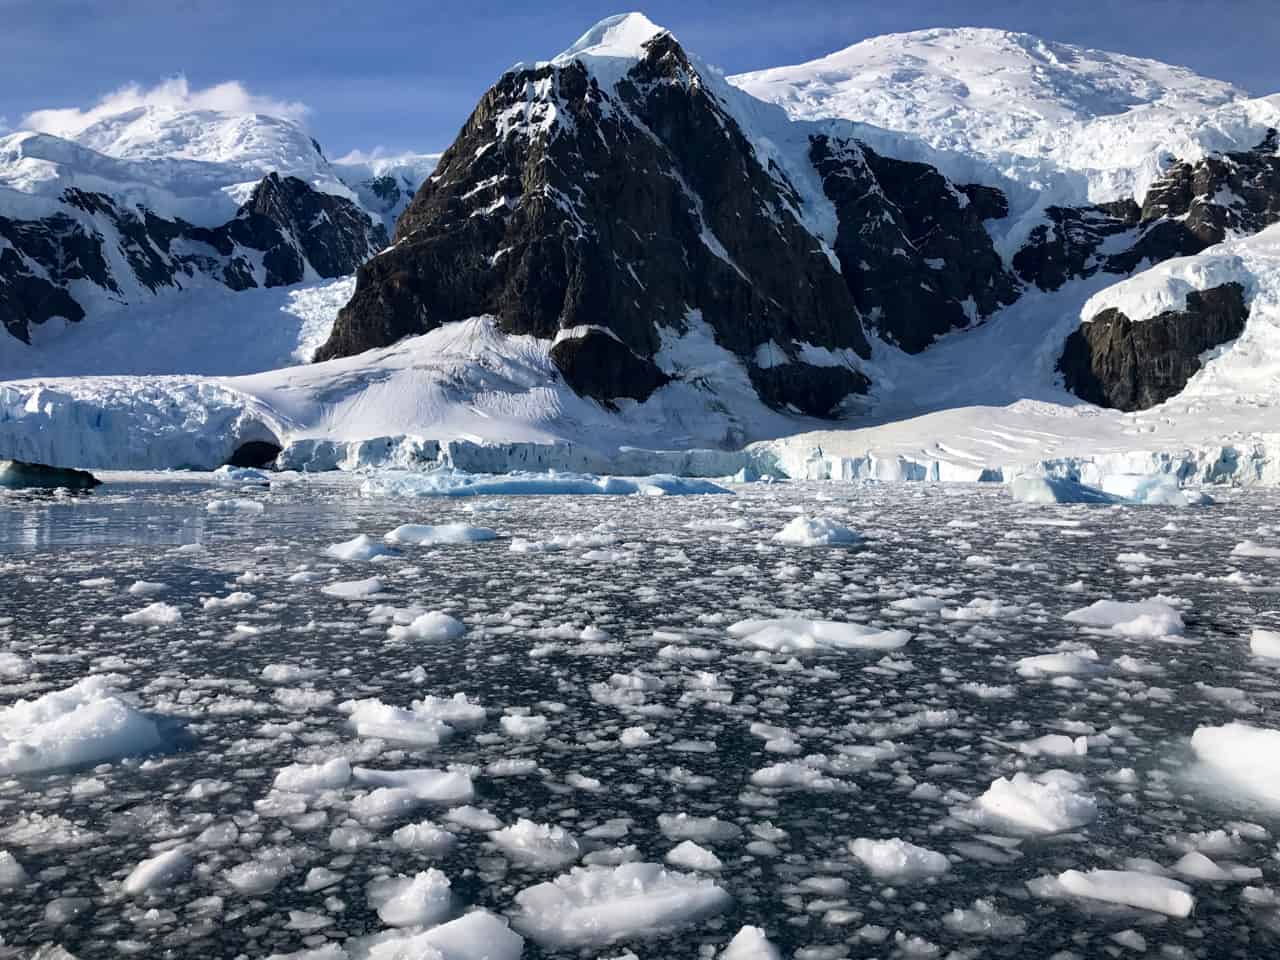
x: 599, y: 365
x: 912, y: 246
x: 98, y: 246
x: 628, y: 207
x: 1190, y: 207
x: 23, y: 475
x: 1129, y: 365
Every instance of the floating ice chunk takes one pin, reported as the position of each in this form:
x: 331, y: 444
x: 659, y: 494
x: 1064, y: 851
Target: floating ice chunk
x: 373, y: 718
x: 1159, y: 489
x: 1199, y: 867
x: 635, y: 737
x: 984, y: 920
x: 1129, y: 888
x: 261, y: 874
x: 1265, y: 643
x: 479, y: 935
x: 681, y: 826
x: 473, y: 818
x: 236, y: 506
x: 84, y: 723
x: 157, y: 614
x: 689, y: 855
x: 419, y: 901
x: 362, y: 547
x: 158, y: 871
x: 145, y: 588
x: 538, y: 846
x: 434, y: 786
x: 750, y: 943
x: 456, y: 483
x: 421, y: 534
x: 896, y: 859
x: 1249, y: 548
x: 1070, y: 662
x: 815, y: 532
x: 241, y: 476
x: 232, y: 601
x: 12, y: 873
x: 314, y: 777
x: 287, y: 673
x: 1056, y: 490
x: 1050, y: 802
x: 1055, y: 745
x: 798, y: 774
x: 1246, y: 756
x: 432, y: 626
x: 597, y: 905
x: 424, y: 837
x: 353, y: 589
x: 12, y: 665
x: 524, y: 727
x: 797, y: 636
x: 1145, y: 619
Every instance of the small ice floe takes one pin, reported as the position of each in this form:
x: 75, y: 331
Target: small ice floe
x: 422, y: 900
x: 1265, y: 643
x: 232, y: 601
x: 750, y: 943
x: 241, y: 476
x: 154, y: 615
x: 1128, y: 888
x: 690, y: 856
x: 12, y: 873
x: 798, y: 636
x: 598, y: 905
x: 418, y: 535
x: 427, y: 785
x: 354, y: 589
x: 428, y: 721
x: 1154, y: 490
x: 314, y: 777
x: 897, y: 860
x: 1250, y: 548
x: 362, y: 547
x: 430, y: 626
x: 1245, y: 756
x: 1050, y: 802
x: 233, y: 506
x: 81, y: 724
x: 158, y: 871
x: 815, y: 532
x: 983, y: 919
x: 1147, y: 619
x: 537, y: 846
x: 1078, y: 662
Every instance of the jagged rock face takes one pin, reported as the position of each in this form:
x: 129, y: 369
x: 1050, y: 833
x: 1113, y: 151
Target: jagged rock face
x: 283, y: 234
x: 598, y: 365
x: 563, y: 204
x: 1189, y: 208
x: 912, y: 245
x: 1115, y: 362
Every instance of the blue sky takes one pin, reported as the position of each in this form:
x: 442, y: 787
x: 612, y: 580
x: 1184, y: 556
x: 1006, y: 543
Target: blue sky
x: 404, y: 75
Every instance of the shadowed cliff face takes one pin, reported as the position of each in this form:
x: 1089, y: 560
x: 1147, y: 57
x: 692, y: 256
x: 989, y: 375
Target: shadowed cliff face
x: 285, y: 232
x: 1115, y: 362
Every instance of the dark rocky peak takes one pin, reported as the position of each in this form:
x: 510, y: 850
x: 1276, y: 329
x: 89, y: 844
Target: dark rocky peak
x: 1190, y: 207
x: 912, y: 245
x: 616, y: 194
x: 1116, y: 362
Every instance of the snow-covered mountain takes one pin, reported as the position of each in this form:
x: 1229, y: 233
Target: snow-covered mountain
x: 104, y: 210
x: 906, y: 239
x: 1087, y: 126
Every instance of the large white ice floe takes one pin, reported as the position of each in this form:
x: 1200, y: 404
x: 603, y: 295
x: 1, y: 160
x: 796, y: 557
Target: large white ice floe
x: 1128, y: 888
x: 85, y: 723
x: 422, y: 900
x: 595, y: 906
x: 1144, y: 619
x: 427, y: 722
x: 455, y: 483
x: 539, y: 846
x: 802, y: 636
x: 897, y: 860
x: 158, y: 871
x: 1050, y: 802
x: 1031, y: 489
x: 417, y: 534
x: 815, y: 532
x: 1246, y: 757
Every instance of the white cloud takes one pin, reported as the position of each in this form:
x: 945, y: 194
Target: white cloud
x: 174, y: 93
